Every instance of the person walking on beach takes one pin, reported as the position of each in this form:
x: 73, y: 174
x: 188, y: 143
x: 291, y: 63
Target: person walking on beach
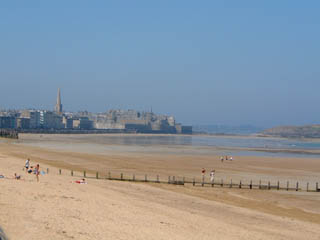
x: 37, y: 172
x: 203, y: 172
x: 212, y: 175
x: 27, y: 165
x: 221, y: 159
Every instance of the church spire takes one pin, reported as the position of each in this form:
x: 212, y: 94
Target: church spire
x: 58, y: 107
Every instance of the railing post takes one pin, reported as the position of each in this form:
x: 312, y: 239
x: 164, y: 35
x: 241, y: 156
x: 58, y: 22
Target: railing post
x: 84, y: 174
x: 71, y: 172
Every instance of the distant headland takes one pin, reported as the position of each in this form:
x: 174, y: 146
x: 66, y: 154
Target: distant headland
x: 307, y: 131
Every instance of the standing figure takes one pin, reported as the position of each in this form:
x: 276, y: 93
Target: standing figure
x: 226, y: 158
x: 221, y: 159
x: 27, y: 165
x: 203, y: 172
x: 212, y: 175
x: 37, y: 172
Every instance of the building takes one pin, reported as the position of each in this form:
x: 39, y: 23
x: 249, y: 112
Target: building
x: 82, y: 123
x: 50, y: 120
x: 23, y: 123
x: 7, y: 122
x: 67, y: 122
x: 34, y: 117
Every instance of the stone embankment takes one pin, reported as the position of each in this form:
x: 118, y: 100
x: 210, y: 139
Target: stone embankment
x: 8, y: 133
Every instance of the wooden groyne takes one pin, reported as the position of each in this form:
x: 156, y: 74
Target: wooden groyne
x: 265, y: 185
x: 9, y: 133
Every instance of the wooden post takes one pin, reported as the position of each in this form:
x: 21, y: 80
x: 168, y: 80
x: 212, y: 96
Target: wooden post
x: 174, y: 179
x: 317, y: 188
x: 60, y: 171
x: 221, y: 182
x: 158, y: 179
x: 287, y: 185
x: 145, y: 178
x: 47, y: 170
x: 202, y: 184
x: 278, y: 186
x: 133, y: 177
x: 109, y: 175
x: 240, y: 185
x: 212, y: 183
x: 307, y: 187
x: 250, y: 184
x: 84, y: 174
x: 71, y: 172
x: 231, y: 183
x: 97, y: 175
x: 260, y: 184
x: 183, y: 180
x: 169, y: 179
x: 194, y: 182
x: 297, y: 187
x: 121, y: 176
x: 269, y: 185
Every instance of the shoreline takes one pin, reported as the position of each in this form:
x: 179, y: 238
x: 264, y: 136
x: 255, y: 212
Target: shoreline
x: 86, y: 138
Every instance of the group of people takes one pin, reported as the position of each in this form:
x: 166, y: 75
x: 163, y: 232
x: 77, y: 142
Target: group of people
x: 212, y: 174
x: 31, y: 169
x: 226, y: 158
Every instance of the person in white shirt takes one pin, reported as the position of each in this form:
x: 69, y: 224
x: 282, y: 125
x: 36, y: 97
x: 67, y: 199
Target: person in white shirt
x: 27, y: 165
x: 212, y: 173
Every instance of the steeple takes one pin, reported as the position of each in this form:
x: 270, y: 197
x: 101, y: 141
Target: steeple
x: 58, y: 107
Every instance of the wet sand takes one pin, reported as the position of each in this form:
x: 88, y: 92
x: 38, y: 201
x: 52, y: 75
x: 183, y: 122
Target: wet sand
x: 102, y: 209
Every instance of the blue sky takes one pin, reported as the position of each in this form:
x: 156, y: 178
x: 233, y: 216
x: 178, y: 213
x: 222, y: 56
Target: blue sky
x: 205, y: 62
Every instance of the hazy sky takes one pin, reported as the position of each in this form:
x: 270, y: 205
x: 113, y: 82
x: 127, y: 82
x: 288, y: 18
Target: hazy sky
x: 205, y: 62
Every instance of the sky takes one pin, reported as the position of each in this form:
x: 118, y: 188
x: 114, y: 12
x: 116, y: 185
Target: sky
x: 204, y: 62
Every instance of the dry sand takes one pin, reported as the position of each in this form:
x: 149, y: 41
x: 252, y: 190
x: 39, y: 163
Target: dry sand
x: 56, y: 208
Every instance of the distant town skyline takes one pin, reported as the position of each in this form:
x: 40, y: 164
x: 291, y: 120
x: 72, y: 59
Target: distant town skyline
x: 231, y: 63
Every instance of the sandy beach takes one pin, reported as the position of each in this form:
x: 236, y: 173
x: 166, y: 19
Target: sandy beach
x: 58, y: 208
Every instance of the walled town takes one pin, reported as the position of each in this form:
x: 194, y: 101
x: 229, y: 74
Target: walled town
x: 112, y: 120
